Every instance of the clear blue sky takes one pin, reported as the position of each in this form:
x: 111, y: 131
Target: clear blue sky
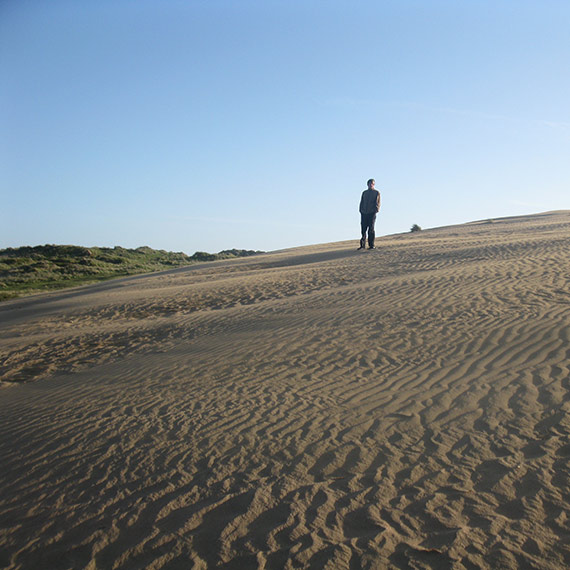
x: 212, y: 124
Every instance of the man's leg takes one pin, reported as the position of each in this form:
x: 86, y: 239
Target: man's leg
x: 363, y: 227
x: 371, y: 232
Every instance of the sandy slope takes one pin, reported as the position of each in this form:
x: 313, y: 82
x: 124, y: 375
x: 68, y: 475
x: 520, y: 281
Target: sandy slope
x: 314, y: 408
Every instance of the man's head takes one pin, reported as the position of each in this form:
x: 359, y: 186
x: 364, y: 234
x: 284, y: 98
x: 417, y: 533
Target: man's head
x: 371, y: 183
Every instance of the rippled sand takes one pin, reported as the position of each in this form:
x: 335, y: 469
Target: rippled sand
x: 313, y: 408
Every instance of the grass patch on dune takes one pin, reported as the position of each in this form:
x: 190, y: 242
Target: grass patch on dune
x: 26, y: 270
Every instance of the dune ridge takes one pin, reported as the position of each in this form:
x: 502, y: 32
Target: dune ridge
x: 313, y: 408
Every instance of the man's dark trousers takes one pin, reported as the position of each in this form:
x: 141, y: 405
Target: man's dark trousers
x: 367, y: 222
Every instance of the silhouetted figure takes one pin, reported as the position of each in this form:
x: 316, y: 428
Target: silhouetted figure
x: 369, y: 207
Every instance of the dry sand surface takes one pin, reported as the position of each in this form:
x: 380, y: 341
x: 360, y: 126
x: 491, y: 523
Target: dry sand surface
x: 313, y: 408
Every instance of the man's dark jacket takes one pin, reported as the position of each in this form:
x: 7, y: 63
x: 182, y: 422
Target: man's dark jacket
x: 370, y: 201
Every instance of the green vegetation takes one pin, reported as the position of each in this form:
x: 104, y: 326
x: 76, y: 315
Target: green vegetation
x: 415, y: 228
x: 26, y: 270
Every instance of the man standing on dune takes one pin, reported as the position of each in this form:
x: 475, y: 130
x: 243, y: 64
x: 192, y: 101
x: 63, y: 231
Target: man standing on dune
x: 369, y: 207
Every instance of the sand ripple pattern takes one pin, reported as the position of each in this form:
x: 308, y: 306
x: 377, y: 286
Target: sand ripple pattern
x: 316, y: 408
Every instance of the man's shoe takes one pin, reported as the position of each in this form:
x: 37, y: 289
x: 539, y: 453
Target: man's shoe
x: 371, y: 247
x: 361, y: 247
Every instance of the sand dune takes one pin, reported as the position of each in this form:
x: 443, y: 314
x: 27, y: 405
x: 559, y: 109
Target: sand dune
x: 313, y: 408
